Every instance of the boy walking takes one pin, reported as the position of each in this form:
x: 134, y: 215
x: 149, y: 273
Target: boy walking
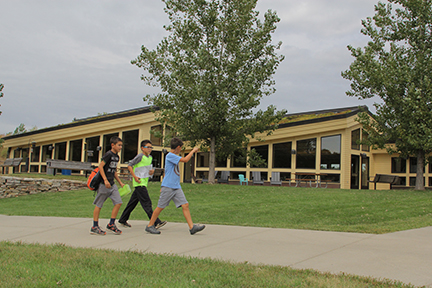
x: 107, y: 189
x: 139, y: 165
x: 171, y: 189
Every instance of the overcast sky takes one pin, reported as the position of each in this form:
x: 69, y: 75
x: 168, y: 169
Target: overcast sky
x: 61, y: 60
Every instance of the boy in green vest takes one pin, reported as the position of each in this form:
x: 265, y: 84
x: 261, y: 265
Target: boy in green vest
x: 139, y: 167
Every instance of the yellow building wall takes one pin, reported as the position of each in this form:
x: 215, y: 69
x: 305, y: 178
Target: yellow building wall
x: 380, y: 161
x: 142, y: 122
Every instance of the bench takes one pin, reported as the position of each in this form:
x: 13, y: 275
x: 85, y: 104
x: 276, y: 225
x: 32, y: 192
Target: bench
x: 70, y: 165
x: 382, y: 178
x: 11, y: 162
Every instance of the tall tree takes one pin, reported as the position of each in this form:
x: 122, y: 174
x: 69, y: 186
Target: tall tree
x: 396, y: 66
x: 213, y: 69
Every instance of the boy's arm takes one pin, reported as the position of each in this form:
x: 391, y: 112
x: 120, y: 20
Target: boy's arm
x: 102, y: 173
x: 133, y: 162
x: 189, y: 156
x: 118, y: 179
x: 137, y: 179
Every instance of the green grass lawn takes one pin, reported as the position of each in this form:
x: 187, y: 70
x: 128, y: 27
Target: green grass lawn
x: 364, y: 211
x: 34, y: 265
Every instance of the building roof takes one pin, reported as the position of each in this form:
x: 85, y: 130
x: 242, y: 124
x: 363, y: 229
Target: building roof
x: 88, y: 120
x: 293, y: 119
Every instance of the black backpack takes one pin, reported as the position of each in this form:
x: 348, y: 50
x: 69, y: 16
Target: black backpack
x: 94, y: 180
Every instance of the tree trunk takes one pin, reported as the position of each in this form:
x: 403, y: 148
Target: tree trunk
x: 212, y: 162
x: 420, y: 167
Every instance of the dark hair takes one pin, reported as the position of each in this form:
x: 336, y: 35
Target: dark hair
x: 175, y: 142
x: 145, y: 142
x: 115, y: 139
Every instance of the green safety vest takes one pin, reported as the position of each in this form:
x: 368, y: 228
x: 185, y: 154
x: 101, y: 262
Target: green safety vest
x: 145, y: 161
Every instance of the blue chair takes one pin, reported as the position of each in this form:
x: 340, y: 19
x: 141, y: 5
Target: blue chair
x: 243, y: 179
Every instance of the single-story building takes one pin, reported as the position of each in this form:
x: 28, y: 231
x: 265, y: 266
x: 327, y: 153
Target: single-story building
x: 317, y: 145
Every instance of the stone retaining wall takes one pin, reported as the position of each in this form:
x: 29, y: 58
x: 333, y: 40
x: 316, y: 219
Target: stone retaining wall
x: 16, y: 186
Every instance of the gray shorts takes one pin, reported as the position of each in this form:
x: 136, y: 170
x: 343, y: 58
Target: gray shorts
x: 103, y: 193
x: 168, y: 194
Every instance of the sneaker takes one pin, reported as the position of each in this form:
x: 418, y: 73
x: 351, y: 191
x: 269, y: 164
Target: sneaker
x: 161, y: 224
x: 125, y: 224
x: 97, y: 231
x: 114, y: 229
x: 152, y: 230
x: 196, y: 228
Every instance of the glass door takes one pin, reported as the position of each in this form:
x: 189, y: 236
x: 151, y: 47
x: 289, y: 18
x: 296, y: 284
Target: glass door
x: 355, y: 176
x: 364, y: 173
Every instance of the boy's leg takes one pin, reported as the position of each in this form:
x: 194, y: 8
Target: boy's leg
x: 117, y: 202
x: 111, y: 226
x: 146, y: 203
x: 180, y: 200
x: 187, y: 215
x: 96, y: 213
x: 95, y: 229
x: 133, y: 201
x: 151, y: 228
x: 101, y: 196
x: 115, y: 210
x: 155, y: 216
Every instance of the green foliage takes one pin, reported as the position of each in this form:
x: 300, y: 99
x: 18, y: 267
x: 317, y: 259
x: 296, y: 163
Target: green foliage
x: 396, y: 66
x: 214, y: 68
x: 20, y: 129
x: 254, y: 159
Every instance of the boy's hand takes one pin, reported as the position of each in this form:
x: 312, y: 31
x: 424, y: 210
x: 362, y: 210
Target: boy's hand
x: 107, y: 184
x: 137, y: 179
x: 121, y: 184
x: 151, y: 172
x: 194, y: 150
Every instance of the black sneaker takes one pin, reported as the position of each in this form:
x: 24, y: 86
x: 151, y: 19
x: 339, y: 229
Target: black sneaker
x: 125, y: 224
x: 196, y: 228
x: 161, y: 224
x: 114, y: 229
x: 152, y: 230
x: 97, y: 231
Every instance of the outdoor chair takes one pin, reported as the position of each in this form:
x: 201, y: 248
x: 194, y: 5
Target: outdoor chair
x: 224, y: 177
x: 275, y: 179
x: 205, y: 180
x: 243, y: 179
x: 256, y: 178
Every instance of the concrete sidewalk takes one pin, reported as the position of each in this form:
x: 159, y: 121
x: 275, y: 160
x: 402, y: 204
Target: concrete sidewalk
x: 404, y: 256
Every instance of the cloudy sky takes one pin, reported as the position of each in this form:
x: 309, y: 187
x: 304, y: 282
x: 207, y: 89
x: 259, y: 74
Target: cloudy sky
x: 61, y: 60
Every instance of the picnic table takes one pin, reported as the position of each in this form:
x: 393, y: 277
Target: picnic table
x: 309, y: 178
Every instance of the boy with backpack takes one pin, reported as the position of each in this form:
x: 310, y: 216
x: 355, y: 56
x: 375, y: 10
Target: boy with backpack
x: 107, y: 188
x: 138, y: 165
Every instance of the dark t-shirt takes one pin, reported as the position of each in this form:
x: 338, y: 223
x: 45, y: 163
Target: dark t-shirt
x: 111, y: 159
